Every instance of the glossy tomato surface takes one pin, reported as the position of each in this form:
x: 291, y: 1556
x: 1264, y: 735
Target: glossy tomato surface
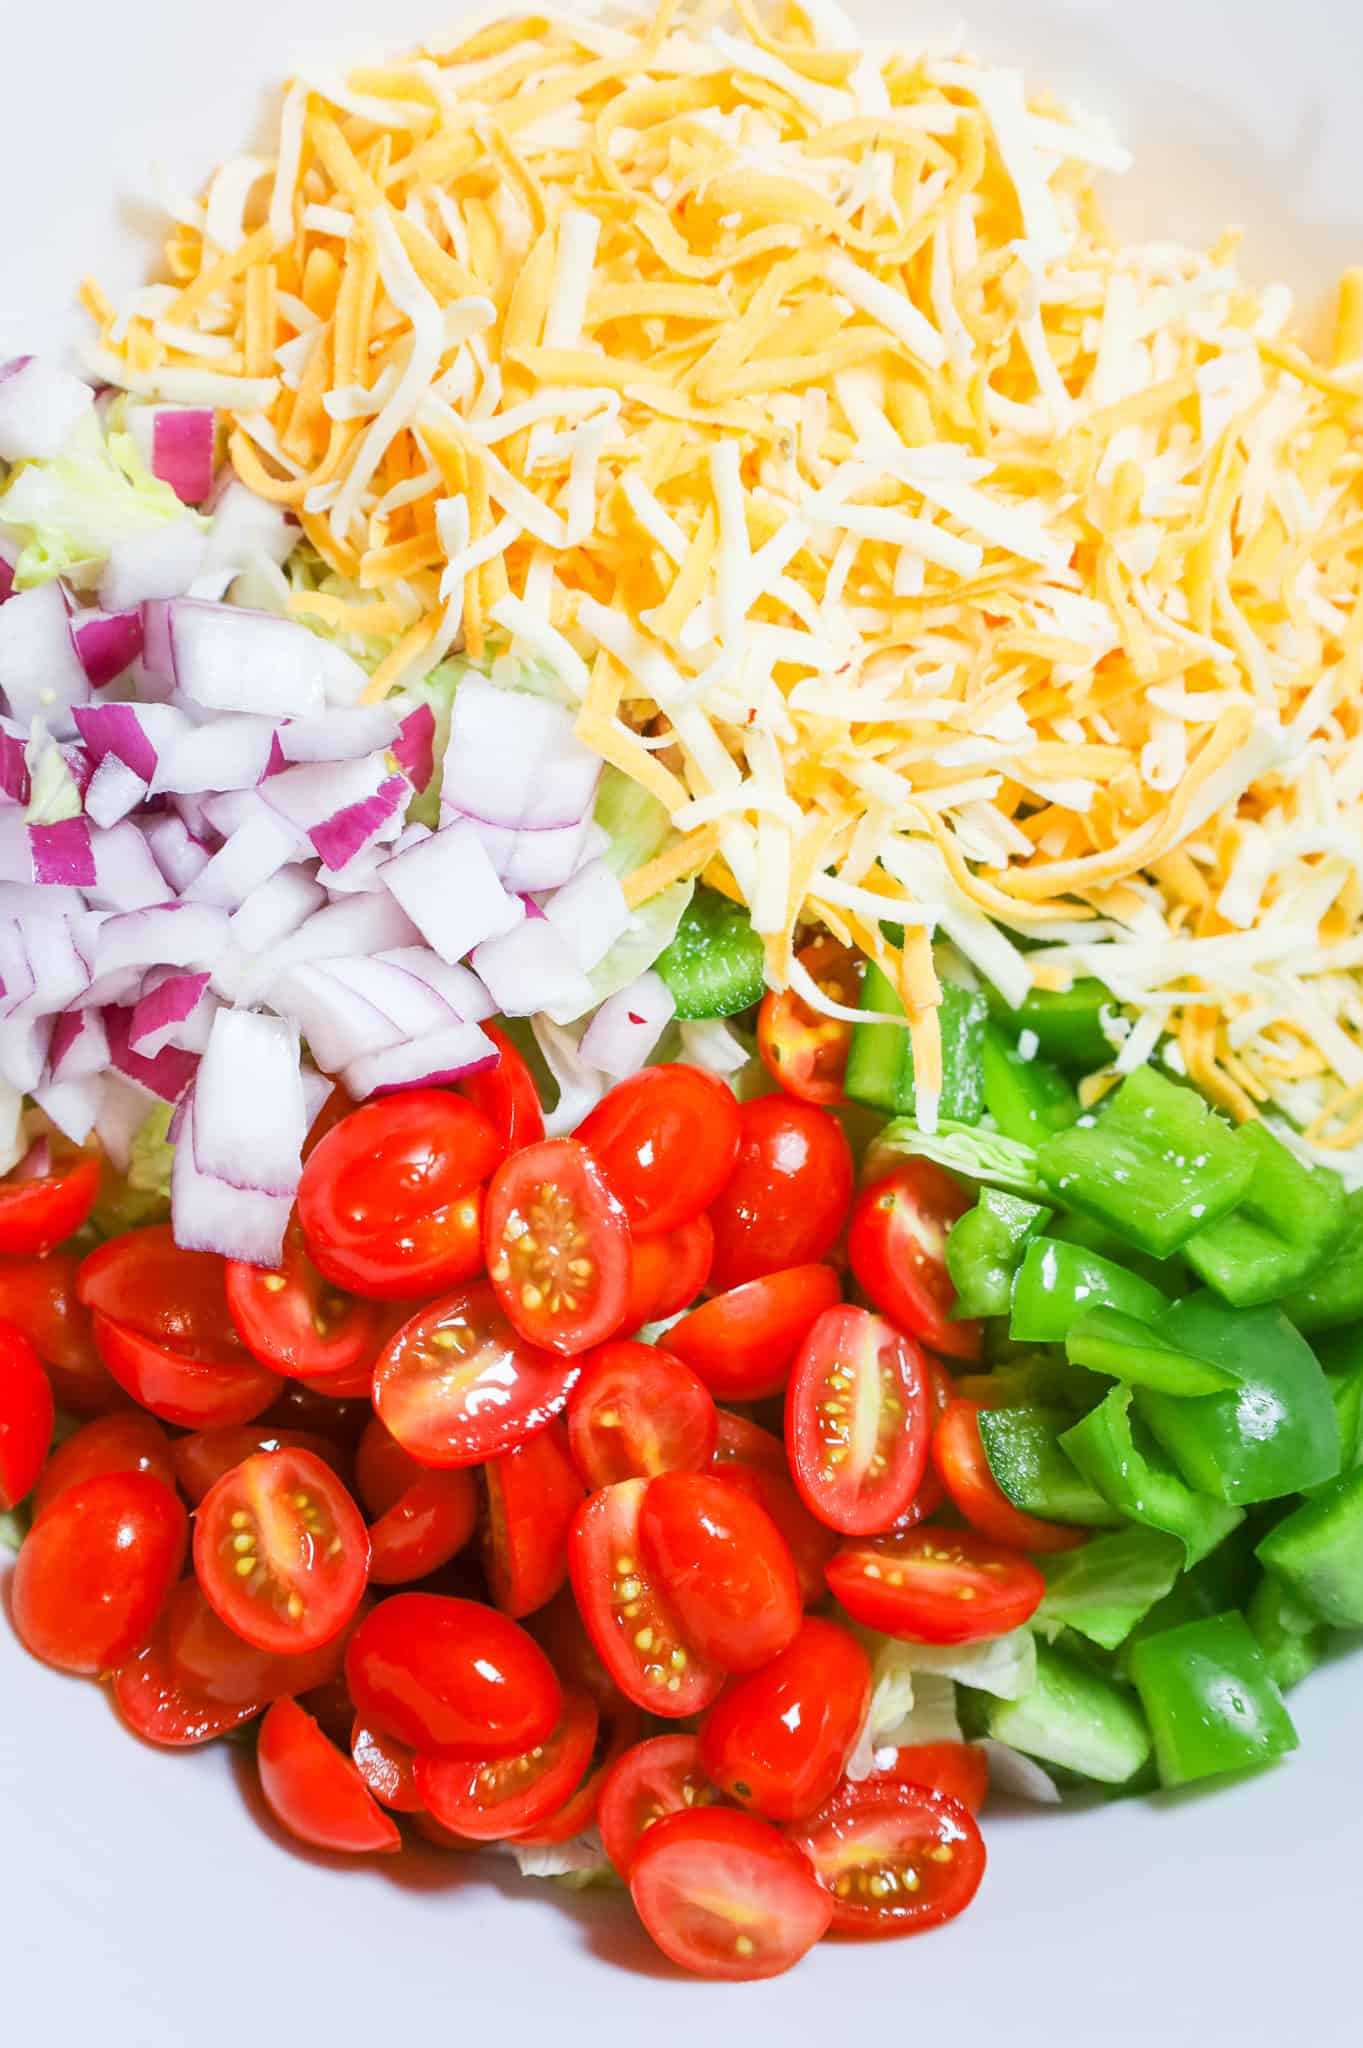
x: 386, y: 1766
x: 936, y: 1585
x: 281, y: 1551
x: 810, y: 1542
x: 506, y: 1095
x: 894, y: 1858
x: 428, y: 1525
x: 858, y: 1420
x: 493, y: 1798
x: 533, y: 1494
x: 95, y: 1569
x: 40, y: 1297
x: 557, y: 1242
x: 451, y: 1675
x: 667, y: 1273
x: 661, y: 1776
x: 786, y: 1202
x: 638, y: 1411
x: 726, y: 1896
x: 315, y: 1791
x: 778, y: 1740
x: 40, y: 1212
x: 202, y: 1458
x: 156, y: 1705
x: 743, y: 1343
x: 897, y: 1248
x: 26, y: 1413
x: 459, y: 1384
x: 110, y: 1443
x: 293, y: 1320
x: 958, y: 1454
x: 724, y: 1566
x: 803, y: 1049
x: 636, y: 1630
x: 212, y: 1661
x: 667, y: 1141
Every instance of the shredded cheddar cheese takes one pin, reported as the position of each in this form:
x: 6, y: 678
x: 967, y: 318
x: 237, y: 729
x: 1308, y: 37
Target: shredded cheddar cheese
x: 935, y: 558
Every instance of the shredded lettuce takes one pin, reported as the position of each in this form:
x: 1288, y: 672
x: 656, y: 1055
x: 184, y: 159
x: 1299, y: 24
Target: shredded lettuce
x: 652, y: 927
x: 577, y: 1863
x: 1105, y: 1588
x: 53, y: 795
x: 637, y: 823
x: 1004, y: 1665
x: 436, y: 689
x: 143, y: 1194
x: 967, y: 1149
x: 69, y: 512
x: 13, y: 1528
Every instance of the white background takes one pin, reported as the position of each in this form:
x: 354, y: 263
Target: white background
x: 143, y: 1901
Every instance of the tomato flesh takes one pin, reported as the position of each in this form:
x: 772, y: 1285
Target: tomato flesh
x: 667, y: 1273
x: 214, y: 1663
x: 26, y: 1415
x: 95, y: 1569
x: 296, y: 1322
x: 779, y: 1739
x: 444, y: 1674
x: 726, y: 1896
x: 958, y: 1455
x: 618, y: 1729
x: 894, y: 1858
x: 154, y: 1703
x: 386, y: 1767
x: 459, y: 1384
x: 316, y: 1792
x: 786, y: 1201
x: 40, y: 1297
x: 533, y: 1493
x: 203, y: 1458
x: 506, y: 1095
x: 489, y: 1799
x: 192, y: 1393
x: 39, y: 1214
x: 958, y: 1769
x: 742, y: 1344
x: 637, y: 1633
x: 428, y: 1526
x: 811, y: 1544
x: 667, y: 1141
x: 558, y: 1247
x: 637, y: 1411
x: 723, y: 1565
x: 281, y: 1551
x: 858, y: 1424
x: 661, y: 1776
x: 896, y: 1245
x: 111, y: 1443
x: 936, y: 1586
x: 804, y: 1051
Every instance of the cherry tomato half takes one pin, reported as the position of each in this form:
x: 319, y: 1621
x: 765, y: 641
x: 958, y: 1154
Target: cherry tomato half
x: 810, y: 1543
x: 202, y: 1459
x: 154, y: 1703
x: 39, y: 1296
x: 786, y: 1202
x: 779, y: 1739
x: 726, y: 1896
x: 111, y: 1443
x: 388, y: 1201
x: 506, y: 1095
x: 26, y: 1414
x: 637, y: 1633
x: 386, y: 1766
x: 214, y: 1663
x: 661, y: 1776
x: 804, y: 1051
x: 959, y: 1457
x: 558, y: 1247
x: 492, y: 1798
x: 667, y: 1273
x: 619, y: 1727
x: 458, y: 1384
x: 281, y: 1551
x: 636, y: 1412
x: 296, y: 1322
x: 858, y: 1421
x: 667, y: 1141
x: 741, y: 1442
x: 936, y: 1586
x: 193, y: 1393
x: 894, y: 1859
x: 453, y: 1676
x: 38, y: 1214
x: 316, y: 1792
x: 533, y: 1493
x: 742, y: 1343
x: 428, y: 1526
x: 959, y: 1769
x: 897, y: 1248
x: 724, y: 1566
x: 94, y: 1570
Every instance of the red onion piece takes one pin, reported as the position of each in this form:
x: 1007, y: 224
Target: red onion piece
x: 448, y: 1055
x: 176, y: 443
x: 108, y: 643
x: 79, y: 1050
x: 531, y: 860
x: 166, y: 1076
x: 261, y: 845
x: 40, y: 408
x: 531, y: 969
x: 414, y: 746
x: 458, y: 986
x: 163, y: 935
x: 248, y: 1111
x: 40, y: 670
x: 122, y: 1112
x: 160, y: 563
x: 14, y: 776
x: 515, y: 760
x: 589, y: 913
x: 63, y: 853
x: 23, y: 1051
x: 72, y: 1106
x: 223, y: 658
x: 165, y: 1004
x: 174, y: 848
x: 228, y: 753
x: 113, y: 792
x: 59, y: 972
x: 339, y: 1024
x: 247, y: 529
x: 208, y: 1215
x: 341, y: 735
x: 126, y: 876
x: 274, y: 910
x: 449, y: 889
x: 625, y: 1030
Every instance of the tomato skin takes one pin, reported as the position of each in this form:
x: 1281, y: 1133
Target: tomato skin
x: 555, y: 1198
x: 561, y: 1633
x: 661, y: 1776
x: 192, y: 1393
x: 622, y: 1725
x: 667, y: 1141
x: 858, y: 1398
x: 111, y: 1443
x: 741, y: 1442
x: 638, y: 1411
x: 153, y: 1703
x: 742, y: 1344
x: 804, y: 1051
x: 383, y: 1470
x: 492, y: 1799
x: 277, y: 1316
x: 724, y: 1565
x: 960, y: 1770
x: 959, y: 1458
x: 689, y: 1865
x: 39, y: 1296
x: 506, y: 1095
x: 778, y: 1740
x: 144, y: 1281
x: 787, y: 1199
x: 203, y: 1458
x: 314, y: 1791
x: 811, y: 1545
x: 289, y: 1515
x: 533, y: 1493
x: 451, y: 1675
x: 386, y: 1767
x: 458, y: 1384
x: 667, y: 1273
x: 896, y: 1245
x: 38, y: 1215
x: 214, y: 1663
x: 428, y: 1526
x: 95, y: 1569
x: 877, y: 1833
x: 637, y: 1635
x: 26, y: 1416
x: 388, y: 1199
x: 936, y: 1586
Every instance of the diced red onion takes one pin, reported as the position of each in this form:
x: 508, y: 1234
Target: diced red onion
x: 530, y: 860
x: 14, y: 777
x: 72, y: 1106
x: 209, y: 1215
x: 342, y: 735
x: 317, y: 1091
x: 445, y: 1056
x: 122, y: 1113
x: 246, y: 527
x: 414, y: 746
x: 9, y: 555
x: 625, y: 1030
x: 228, y: 753
x: 63, y: 853
x: 166, y: 1076
x: 407, y: 1000
x: 458, y: 986
x: 176, y: 443
x: 16, y: 970
x: 248, y: 1112
x: 364, y: 924
x: 40, y: 671
x: 79, y: 1050
x: 159, y: 563
x: 167, y: 935
x: 515, y: 760
x: 23, y: 1051
x: 108, y: 643
x: 223, y: 658
x: 135, y: 733
x: 40, y: 408
x: 276, y: 909
x: 113, y: 792
x: 449, y: 889
x: 126, y: 876
x: 261, y: 845
x: 166, y: 1003
x: 340, y: 805
x: 59, y: 972
x: 531, y: 969
x: 174, y: 848
x: 339, y: 1025
x: 589, y: 913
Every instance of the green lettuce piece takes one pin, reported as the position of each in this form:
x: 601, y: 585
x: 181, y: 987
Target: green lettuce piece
x: 143, y: 1194
x: 638, y: 824
x: 1003, y: 1665
x: 1104, y: 1589
x: 967, y: 1149
x: 53, y: 795
x: 652, y: 928
x: 68, y: 512
x: 13, y: 1528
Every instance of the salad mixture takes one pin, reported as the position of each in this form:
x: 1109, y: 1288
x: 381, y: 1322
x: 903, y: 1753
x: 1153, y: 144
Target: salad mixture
x: 681, y: 975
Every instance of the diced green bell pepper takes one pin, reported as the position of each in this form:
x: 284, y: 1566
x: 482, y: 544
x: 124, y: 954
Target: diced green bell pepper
x: 1273, y: 1432
x: 984, y: 1249
x: 1057, y: 1282
x: 1292, y: 1638
x: 1105, y: 1589
x: 715, y: 966
x: 1075, y: 1718
x: 1022, y: 1446
x: 1341, y: 1354
x: 1067, y: 1024
x: 1290, y: 1217
x: 1318, y: 1550
x: 1130, y: 1473
x: 1333, y: 1296
x: 1028, y: 1099
x: 1156, y: 1163
x: 1106, y: 1341
x: 875, y: 1054
x: 880, y: 1070
x: 1210, y: 1700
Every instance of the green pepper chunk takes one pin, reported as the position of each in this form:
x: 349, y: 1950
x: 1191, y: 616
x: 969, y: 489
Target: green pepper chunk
x: 1057, y: 1282
x: 1210, y: 1699
x: 1341, y: 1354
x: 984, y: 1249
x: 1027, y: 1098
x: 1156, y: 1164
x: 1333, y: 1296
x: 1318, y: 1550
x: 1106, y: 1341
x: 1075, y: 1718
x: 1067, y: 1024
x: 1106, y: 1589
x: 1290, y: 1218
x: 875, y: 1054
x: 1024, y: 1452
x: 880, y: 1069
x: 1273, y: 1432
x: 1129, y: 1473
x: 1292, y: 1638
x: 715, y: 966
